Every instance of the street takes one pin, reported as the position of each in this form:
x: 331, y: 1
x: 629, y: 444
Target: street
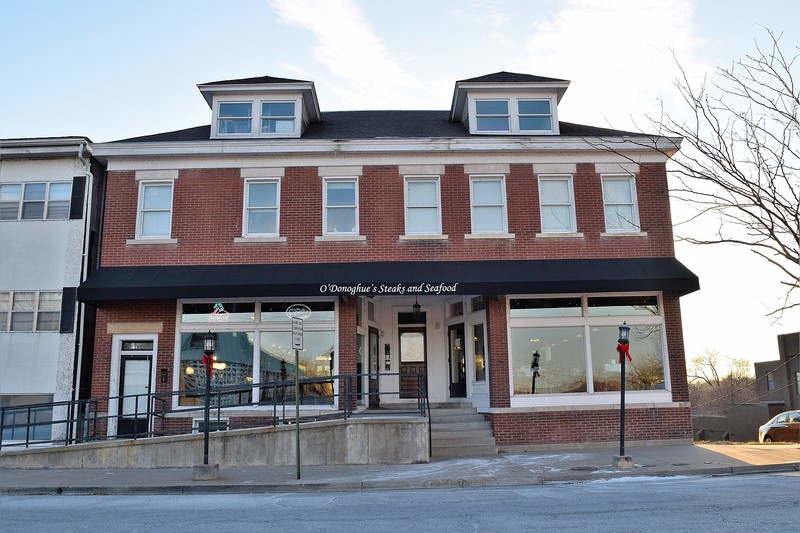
x: 730, y: 503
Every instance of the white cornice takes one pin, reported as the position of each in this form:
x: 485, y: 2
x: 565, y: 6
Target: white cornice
x: 44, y: 147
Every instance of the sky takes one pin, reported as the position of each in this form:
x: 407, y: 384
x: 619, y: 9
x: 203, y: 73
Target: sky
x: 109, y: 70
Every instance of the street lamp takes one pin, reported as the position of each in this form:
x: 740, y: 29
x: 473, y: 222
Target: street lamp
x: 209, y: 346
x: 622, y: 460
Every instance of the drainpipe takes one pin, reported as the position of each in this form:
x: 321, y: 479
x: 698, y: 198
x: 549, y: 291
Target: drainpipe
x: 81, y: 309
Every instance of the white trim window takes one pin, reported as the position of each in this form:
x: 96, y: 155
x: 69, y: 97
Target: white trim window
x: 423, y: 206
x: 30, y: 311
x: 488, y: 201
x: 619, y: 203
x: 492, y: 116
x: 235, y: 118
x: 154, y: 210
x: 557, y: 204
x: 572, y: 340
x: 535, y: 115
x: 262, y: 208
x: 340, y: 206
x: 278, y: 117
x: 35, y: 200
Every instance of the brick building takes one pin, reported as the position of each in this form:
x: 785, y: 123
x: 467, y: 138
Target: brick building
x: 460, y: 244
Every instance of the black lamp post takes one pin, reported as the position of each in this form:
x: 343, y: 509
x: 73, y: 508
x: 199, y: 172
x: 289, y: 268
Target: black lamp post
x: 622, y: 349
x: 209, y: 346
x: 534, y: 370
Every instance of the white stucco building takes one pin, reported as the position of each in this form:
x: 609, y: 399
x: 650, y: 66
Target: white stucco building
x: 48, y: 237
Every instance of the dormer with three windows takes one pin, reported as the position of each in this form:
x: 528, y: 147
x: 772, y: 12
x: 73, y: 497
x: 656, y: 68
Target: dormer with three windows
x: 263, y: 107
x: 506, y: 103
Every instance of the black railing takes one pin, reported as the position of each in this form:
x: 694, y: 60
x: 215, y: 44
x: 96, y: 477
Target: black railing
x: 148, y: 415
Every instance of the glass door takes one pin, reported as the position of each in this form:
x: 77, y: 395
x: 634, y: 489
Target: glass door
x: 457, y: 361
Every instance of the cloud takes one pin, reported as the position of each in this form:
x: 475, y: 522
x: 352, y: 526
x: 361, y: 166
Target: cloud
x: 619, y: 56
x: 366, y: 73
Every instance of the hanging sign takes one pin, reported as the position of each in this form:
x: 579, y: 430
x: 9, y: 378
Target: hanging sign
x: 219, y: 314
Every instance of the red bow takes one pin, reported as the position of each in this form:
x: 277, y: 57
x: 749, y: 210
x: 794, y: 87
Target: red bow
x: 623, y: 350
x: 208, y: 362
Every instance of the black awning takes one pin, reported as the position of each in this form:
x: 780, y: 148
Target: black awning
x: 388, y: 278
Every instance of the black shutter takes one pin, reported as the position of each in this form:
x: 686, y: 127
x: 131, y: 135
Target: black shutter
x: 76, y: 205
x: 68, y: 303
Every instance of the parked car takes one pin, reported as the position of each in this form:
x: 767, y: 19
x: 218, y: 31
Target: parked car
x: 784, y: 427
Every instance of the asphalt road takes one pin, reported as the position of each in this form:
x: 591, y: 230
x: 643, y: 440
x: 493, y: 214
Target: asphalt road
x: 727, y: 503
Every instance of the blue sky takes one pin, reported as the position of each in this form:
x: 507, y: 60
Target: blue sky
x: 115, y: 69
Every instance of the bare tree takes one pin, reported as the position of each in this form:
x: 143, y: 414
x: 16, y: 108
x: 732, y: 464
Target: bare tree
x: 712, y: 390
x: 741, y: 163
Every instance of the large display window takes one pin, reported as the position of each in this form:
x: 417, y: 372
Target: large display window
x: 254, y: 360
x: 567, y: 346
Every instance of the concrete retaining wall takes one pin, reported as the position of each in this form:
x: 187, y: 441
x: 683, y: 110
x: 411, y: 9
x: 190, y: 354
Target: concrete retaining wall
x: 353, y: 441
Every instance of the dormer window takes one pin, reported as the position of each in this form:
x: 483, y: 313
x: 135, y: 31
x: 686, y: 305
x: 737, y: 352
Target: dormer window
x: 513, y: 115
x: 492, y: 115
x: 535, y: 115
x: 277, y: 117
x: 235, y: 117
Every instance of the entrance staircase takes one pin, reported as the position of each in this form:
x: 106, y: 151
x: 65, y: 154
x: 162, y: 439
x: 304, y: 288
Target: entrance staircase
x: 458, y: 430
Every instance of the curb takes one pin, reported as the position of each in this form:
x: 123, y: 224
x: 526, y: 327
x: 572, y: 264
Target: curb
x: 358, y: 486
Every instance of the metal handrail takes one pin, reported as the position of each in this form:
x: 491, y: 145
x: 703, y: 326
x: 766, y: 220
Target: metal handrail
x: 84, y: 421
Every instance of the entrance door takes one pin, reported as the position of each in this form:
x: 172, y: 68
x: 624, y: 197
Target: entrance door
x: 374, y: 360
x: 458, y: 361
x: 413, y: 359
x: 134, y: 386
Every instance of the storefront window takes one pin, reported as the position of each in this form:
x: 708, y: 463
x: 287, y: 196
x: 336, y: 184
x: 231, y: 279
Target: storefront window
x: 562, y: 360
x: 623, y: 306
x: 576, y: 341
x: 219, y: 313
x: 644, y: 372
x: 308, y: 311
x: 316, y: 360
x: 545, y: 307
x: 233, y: 367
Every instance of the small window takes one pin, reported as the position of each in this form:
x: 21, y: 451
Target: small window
x: 619, y: 204
x: 535, y: 115
x: 770, y: 381
x: 623, y: 306
x: 9, y: 201
x: 235, y: 117
x: 262, y: 207
x: 5, y: 307
x: 478, y: 303
x: 23, y: 309
x: 219, y: 313
x: 58, y: 197
x: 545, y: 307
x: 277, y: 117
x: 488, y: 205
x: 33, y: 200
x: 557, y: 204
x: 423, y: 208
x: 49, y: 311
x: 155, y: 210
x: 455, y: 309
x: 340, y: 210
x: 492, y: 115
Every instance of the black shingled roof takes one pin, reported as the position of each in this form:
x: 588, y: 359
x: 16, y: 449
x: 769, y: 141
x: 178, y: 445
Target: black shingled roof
x: 255, y: 81
x: 350, y: 125
x: 509, y: 77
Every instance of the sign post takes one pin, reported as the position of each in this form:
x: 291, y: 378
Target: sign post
x: 297, y: 344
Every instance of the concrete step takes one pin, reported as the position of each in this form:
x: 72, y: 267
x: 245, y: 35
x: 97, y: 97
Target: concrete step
x: 458, y: 430
x: 461, y: 433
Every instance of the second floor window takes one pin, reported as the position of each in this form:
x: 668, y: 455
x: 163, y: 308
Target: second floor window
x: 557, y: 204
x: 340, y: 206
x: 262, y: 208
x: 35, y: 200
x: 30, y: 311
x: 155, y: 210
x: 619, y: 203
x: 488, y: 204
x: 535, y: 115
x: 423, y: 211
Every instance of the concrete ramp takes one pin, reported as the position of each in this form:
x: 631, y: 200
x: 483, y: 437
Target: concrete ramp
x: 375, y: 440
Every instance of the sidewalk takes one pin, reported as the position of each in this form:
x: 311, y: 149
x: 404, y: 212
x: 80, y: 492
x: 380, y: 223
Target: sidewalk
x: 503, y: 470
